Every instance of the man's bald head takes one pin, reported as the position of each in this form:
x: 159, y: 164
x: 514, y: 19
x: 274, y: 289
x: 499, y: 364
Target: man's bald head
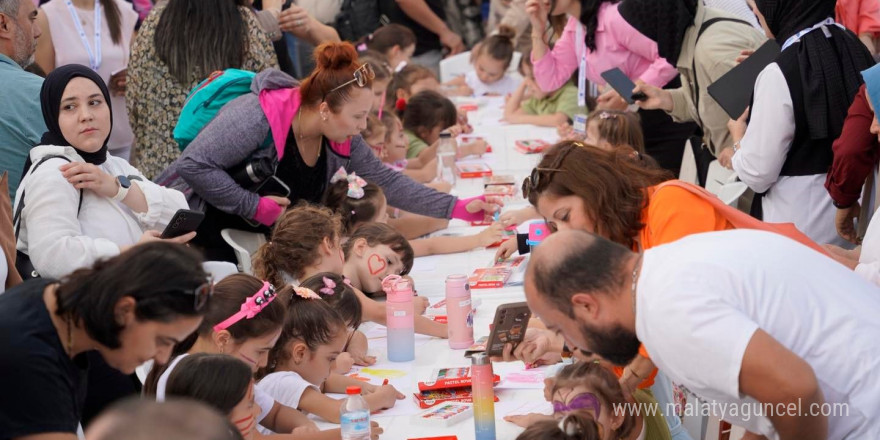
x: 571, y: 262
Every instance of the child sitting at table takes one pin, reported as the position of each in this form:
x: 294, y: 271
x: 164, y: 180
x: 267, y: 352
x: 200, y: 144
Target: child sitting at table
x: 374, y: 135
x: 396, y: 44
x: 530, y: 105
x: 381, y: 80
x: 490, y: 58
x: 337, y: 291
x: 590, y: 387
x: 426, y: 115
x: 407, y: 82
x: 575, y: 426
x: 358, y: 202
x: 298, y: 374
x: 223, y: 383
x: 306, y: 241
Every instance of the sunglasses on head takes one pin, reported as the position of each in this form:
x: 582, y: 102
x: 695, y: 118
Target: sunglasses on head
x: 541, y: 176
x: 361, y: 75
x: 202, y: 293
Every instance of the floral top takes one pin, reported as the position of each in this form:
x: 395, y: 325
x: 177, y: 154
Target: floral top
x: 155, y: 98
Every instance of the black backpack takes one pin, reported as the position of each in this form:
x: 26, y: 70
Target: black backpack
x: 357, y: 19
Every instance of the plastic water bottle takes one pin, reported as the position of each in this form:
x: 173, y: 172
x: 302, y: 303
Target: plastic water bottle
x: 354, y: 417
x: 400, y: 319
x: 482, y: 386
x: 459, y: 312
x: 446, y: 158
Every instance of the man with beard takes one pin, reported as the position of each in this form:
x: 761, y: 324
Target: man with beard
x: 21, y: 120
x: 772, y: 335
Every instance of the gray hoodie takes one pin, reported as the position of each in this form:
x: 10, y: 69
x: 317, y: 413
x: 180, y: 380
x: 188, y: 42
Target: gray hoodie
x: 240, y: 129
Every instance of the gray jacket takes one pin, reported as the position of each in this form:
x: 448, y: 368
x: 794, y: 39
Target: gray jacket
x: 238, y: 133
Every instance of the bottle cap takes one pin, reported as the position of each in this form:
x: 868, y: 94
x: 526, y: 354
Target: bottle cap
x: 480, y: 359
x: 445, y: 135
x: 353, y: 390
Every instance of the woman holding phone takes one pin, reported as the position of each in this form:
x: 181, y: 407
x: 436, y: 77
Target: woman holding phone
x: 98, y: 34
x: 77, y: 203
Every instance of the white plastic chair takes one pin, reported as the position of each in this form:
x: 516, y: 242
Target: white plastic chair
x: 245, y: 245
x: 688, y: 171
x: 219, y: 269
x: 723, y: 183
x: 460, y: 64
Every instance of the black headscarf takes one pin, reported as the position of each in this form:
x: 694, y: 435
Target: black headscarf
x: 50, y: 100
x: 829, y: 67
x: 664, y: 21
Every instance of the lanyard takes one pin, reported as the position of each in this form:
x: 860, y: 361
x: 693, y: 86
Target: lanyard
x: 94, y: 57
x: 581, y: 46
x: 797, y: 37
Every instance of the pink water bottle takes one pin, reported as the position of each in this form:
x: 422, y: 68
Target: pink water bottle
x: 459, y: 312
x: 400, y: 319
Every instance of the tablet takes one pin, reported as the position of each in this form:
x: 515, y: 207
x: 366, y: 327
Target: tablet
x: 733, y: 91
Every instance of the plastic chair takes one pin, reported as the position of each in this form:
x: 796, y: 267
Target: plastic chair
x: 688, y: 171
x: 219, y: 269
x: 460, y: 64
x: 723, y: 183
x: 245, y: 245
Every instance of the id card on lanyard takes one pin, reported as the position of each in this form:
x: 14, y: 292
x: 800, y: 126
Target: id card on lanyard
x: 581, y: 46
x: 94, y: 56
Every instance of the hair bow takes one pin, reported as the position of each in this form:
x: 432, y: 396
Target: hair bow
x: 347, y: 282
x: 355, y: 184
x: 305, y: 293
x: 329, y: 285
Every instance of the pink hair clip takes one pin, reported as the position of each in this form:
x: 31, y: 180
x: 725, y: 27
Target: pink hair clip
x: 305, y: 293
x: 606, y: 115
x: 329, y: 285
x: 347, y: 282
x: 251, y: 306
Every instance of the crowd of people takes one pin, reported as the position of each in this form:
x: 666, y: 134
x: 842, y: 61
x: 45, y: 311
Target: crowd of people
x: 318, y: 124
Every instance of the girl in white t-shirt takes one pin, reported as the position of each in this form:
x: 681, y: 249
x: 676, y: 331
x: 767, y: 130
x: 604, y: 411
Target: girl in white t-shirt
x: 314, y: 335
x: 491, y: 59
x: 224, y: 383
x: 244, y: 321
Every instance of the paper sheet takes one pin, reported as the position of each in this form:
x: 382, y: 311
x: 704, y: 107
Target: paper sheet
x: 521, y: 407
x: 515, y: 376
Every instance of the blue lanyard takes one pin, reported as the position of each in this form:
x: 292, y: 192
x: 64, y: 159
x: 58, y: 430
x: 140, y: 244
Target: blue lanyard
x: 797, y: 37
x: 94, y: 57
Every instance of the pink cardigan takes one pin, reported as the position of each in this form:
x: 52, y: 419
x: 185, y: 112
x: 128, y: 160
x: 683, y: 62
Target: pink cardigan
x: 859, y: 16
x: 618, y: 44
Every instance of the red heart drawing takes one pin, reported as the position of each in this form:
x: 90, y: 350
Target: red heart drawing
x: 376, y: 264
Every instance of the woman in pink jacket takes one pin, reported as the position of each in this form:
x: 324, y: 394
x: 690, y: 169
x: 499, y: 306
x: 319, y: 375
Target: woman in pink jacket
x: 596, y: 39
x: 863, y: 18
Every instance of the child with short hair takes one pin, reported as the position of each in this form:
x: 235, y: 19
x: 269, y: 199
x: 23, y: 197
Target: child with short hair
x: 530, y: 105
x: 223, y: 383
x: 299, y: 367
x: 225, y: 330
x: 491, y: 58
x: 359, y: 202
x: 396, y: 43
x: 426, y: 115
x: 610, y: 129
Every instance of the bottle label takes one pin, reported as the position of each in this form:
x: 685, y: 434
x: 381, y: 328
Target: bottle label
x: 399, y: 313
x: 355, y: 424
x: 465, y: 303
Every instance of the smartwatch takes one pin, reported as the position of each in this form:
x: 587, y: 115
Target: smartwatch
x: 124, y: 186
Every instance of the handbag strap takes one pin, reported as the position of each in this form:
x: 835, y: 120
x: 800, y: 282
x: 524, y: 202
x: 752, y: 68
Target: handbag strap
x: 16, y: 219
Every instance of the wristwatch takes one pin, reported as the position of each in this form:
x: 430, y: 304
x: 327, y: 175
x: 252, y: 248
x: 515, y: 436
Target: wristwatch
x: 124, y: 185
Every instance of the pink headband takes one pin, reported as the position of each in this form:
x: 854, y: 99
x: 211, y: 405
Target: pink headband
x: 251, y: 306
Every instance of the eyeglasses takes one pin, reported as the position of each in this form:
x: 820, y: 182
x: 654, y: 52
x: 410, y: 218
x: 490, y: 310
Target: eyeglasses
x: 540, y: 176
x: 361, y: 75
x: 202, y: 293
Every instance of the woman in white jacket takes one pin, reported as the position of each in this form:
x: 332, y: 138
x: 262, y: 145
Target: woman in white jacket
x: 77, y: 203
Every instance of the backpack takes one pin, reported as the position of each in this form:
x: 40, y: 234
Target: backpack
x: 358, y: 18
x: 207, y: 98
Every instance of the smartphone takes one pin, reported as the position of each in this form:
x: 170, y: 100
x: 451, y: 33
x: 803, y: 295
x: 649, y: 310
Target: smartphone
x: 623, y: 85
x: 508, y: 327
x: 183, y: 222
x: 273, y: 186
x: 286, y: 4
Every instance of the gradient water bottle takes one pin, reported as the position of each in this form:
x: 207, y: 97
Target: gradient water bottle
x: 400, y: 319
x: 484, y: 397
x: 459, y: 312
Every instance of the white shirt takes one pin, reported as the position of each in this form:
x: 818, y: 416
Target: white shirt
x: 700, y: 300
x: 802, y: 200
x: 869, y: 259
x: 264, y: 400
x: 286, y: 387
x: 58, y: 240
x: 503, y: 87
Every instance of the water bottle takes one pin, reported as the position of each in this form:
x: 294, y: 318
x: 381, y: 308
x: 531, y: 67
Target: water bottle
x: 446, y: 158
x: 354, y: 417
x: 400, y: 319
x: 482, y: 383
x: 459, y: 312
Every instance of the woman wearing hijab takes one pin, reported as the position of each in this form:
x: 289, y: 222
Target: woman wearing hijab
x: 78, y: 203
x: 799, y: 106
x: 700, y: 57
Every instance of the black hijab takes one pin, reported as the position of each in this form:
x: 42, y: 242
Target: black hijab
x: 50, y: 100
x: 664, y: 21
x: 829, y: 67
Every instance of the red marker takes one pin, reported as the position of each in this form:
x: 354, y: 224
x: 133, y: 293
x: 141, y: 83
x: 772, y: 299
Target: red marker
x: 385, y: 382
